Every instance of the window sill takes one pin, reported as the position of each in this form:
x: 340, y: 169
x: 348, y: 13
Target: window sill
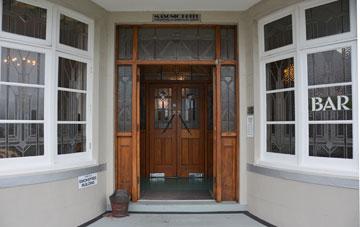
x: 46, y: 175
x: 311, y: 176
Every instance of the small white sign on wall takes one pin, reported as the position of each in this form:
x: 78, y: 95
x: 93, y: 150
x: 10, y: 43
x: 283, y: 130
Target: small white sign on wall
x: 87, y: 180
x: 250, y: 126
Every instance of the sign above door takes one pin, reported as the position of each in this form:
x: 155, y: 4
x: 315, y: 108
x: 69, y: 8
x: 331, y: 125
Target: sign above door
x: 176, y: 17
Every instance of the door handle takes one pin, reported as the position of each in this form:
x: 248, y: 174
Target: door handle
x: 168, y: 123
x: 184, y: 123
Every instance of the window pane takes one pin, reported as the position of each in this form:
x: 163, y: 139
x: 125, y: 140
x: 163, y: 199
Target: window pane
x: 21, y: 140
x: 125, y: 43
x: 21, y: 103
x: 124, y: 92
x: 228, y: 43
x: 24, y: 19
x: 73, y: 33
x: 228, y: 99
x: 330, y: 103
x: 147, y: 43
x: 278, y: 33
x: 177, y: 43
x: 327, y: 67
x: 280, y: 74
x: 206, y: 39
x: 21, y: 66
x: 71, y: 138
x: 329, y: 19
x: 71, y: 106
x: 281, y: 139
x: 72, y: 74
x: 280, y: 106
x: 331, y: 140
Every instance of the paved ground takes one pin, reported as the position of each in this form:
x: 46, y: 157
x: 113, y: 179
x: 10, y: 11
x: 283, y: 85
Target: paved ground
x: 179, y: 220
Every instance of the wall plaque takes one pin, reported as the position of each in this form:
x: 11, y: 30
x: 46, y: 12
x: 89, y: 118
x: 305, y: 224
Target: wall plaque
x: 176, y: 17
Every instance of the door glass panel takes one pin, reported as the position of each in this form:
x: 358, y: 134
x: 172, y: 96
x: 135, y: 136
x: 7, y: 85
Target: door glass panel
x: 163, y: 107
x: 228, y: 43
x: 228, y: 99
x: 124, y: 105
x: 190, y: 108
x: 329, y: 19
x: 125, y: 43
x: 24, y: 19
x: 176, y: 43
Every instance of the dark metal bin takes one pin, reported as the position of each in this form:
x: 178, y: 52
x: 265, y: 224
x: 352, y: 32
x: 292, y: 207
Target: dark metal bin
x: 120, y: 203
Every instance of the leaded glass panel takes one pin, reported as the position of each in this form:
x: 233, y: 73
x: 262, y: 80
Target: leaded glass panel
x: 330, y: 103
x: 280, y: 74
x: 190, y: 108
x: 278, y: 33
x: 331, y: 140
x: 176, y: 43
x: 163, y: 107
x: 24, y: 19
x: 228, y: 99
x: 280, y: 106
x: 71, y: 106
x: 73, y: 33
x: 333, y: 66
x: 21, y: 140
x: 71, y: 138
x: 328, y: 19
x: 210, y: 115
x: 228, y: 43
x: 125, y: 43
x: 72, y: 74
x: 21, y: 66
x: 281, y: 138
x: 21, y: 103
x: 124, y: 92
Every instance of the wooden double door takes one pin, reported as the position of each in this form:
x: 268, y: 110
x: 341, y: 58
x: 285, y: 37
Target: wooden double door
x: 176, y: 129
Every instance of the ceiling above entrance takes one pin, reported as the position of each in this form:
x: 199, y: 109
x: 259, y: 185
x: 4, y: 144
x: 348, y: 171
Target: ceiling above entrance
x: 176, y: 5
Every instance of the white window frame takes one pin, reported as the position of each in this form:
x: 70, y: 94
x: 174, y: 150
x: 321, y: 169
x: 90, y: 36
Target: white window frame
x: 52, y: 50
x: 31, y: 161
x: 87, y: 155
x: 21, y: 38
x: 300, y: 48
x: 321, y: 162
x: 330, y: 39
x: 271, y: 18
x: 69, y: 49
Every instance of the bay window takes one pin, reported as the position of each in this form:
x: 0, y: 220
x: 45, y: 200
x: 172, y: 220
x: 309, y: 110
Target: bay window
x: 38, y: 71
x: 308, y: 119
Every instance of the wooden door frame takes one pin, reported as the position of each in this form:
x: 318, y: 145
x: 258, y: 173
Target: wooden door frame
x: 135, y: 63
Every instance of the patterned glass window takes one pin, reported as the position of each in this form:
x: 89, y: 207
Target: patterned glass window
x: 71, y: 106
x: 228, y: 43
x: 190, y: 108
x: 124, y: 105
x: 228, y: 99
x: 125, y: 43
x: 176, y: 72
x: 280, y: 103
x: 21, y: 99
x: 24, y: 19
x: 179, y: 43
x: 73, y: 33
x: 330, y: 104
x: 329, y: 19
x: 163, y: 108
x: 278, y: 33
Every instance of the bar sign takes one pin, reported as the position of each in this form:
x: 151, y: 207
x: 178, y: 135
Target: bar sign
x: 87, y: 180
